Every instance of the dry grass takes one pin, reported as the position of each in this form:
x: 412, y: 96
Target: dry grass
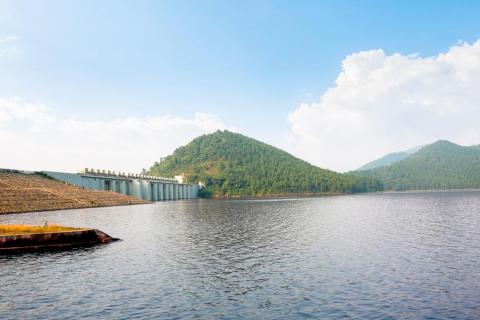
x: 26, y: 193
x: 9, y: 229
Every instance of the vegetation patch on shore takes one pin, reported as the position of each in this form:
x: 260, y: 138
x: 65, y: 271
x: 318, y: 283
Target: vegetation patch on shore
x: 10, y: 229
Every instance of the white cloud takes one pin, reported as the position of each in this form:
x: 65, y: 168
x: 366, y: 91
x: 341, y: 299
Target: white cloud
x: 8, y: 39
x: 33, y: 137
x: 8, y: 45
x: 382, y: 103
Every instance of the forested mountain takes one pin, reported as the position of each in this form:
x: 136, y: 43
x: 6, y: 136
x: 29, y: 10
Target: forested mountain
x: 441, y: 165
x: 231, y: 165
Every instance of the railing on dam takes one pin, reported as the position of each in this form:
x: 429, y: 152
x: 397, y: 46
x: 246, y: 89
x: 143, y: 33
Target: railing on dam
x: 146, y: 187
x: 108, y: 173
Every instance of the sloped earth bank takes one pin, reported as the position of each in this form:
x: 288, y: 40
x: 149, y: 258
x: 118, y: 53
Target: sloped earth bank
x: 31, y: 192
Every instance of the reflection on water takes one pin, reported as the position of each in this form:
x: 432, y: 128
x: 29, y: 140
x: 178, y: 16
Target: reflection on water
x: 412, y: 255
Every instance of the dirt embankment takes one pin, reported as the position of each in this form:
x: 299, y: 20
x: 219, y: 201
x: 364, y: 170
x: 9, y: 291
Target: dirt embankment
x: 30, y: 192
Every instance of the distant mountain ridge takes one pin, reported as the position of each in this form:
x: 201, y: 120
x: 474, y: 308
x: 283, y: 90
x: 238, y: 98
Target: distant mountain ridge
x: 390, y: 158
x: 385, y: 160
x: 440, y: 165
x: 233, y: 165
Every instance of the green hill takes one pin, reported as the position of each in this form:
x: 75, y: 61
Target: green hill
x: 233, y: 165
x: 441, y: 165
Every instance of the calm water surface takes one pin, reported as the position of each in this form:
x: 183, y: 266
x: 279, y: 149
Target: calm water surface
x: 382, y: 256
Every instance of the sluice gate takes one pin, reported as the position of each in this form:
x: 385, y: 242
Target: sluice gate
x: 145, y: 187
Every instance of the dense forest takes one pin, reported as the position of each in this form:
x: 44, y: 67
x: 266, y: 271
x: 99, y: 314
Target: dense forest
x: 441, y: 165
x: 233, y: 165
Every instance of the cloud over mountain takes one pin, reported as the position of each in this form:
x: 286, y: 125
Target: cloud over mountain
x: 382, y: 103
x: 34, y: 137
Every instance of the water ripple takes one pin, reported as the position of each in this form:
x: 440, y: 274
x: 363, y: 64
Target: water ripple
x: 379, y: 256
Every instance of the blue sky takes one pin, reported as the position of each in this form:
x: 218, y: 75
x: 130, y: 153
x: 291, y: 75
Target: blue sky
x: 249, y: 63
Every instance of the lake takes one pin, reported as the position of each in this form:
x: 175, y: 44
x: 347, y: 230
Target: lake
x: 375, y: 256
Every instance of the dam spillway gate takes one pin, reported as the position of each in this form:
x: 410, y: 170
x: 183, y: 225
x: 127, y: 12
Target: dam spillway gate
x: 150, y: 188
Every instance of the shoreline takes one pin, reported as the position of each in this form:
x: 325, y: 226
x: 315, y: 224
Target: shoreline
x: 79, y: 208
x: 294, y: 196
x: 429, y: 190
x: 271, y: 197
x: 279, y: 196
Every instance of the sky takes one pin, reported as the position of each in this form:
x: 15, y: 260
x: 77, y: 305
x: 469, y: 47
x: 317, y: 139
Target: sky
x: 119, y: 84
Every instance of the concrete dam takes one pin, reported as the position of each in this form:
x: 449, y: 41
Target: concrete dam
x: 145, y: 187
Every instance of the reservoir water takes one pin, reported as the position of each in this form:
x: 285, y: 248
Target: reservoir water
x: 375, y: 256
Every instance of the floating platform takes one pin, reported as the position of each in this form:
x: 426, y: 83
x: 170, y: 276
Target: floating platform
x: 32, y: 242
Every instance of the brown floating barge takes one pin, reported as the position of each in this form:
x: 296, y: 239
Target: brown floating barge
x: 31, y: 242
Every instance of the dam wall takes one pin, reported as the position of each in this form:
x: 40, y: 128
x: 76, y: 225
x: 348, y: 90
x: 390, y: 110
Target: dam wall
x: 150, y: 188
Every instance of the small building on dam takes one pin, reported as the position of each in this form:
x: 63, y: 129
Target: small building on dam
x: 145, y: 187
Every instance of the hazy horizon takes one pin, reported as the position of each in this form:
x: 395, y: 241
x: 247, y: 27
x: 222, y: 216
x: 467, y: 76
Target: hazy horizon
x: 338, y: 83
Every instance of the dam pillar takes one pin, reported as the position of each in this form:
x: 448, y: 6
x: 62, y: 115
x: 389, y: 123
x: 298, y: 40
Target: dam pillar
x: 101, y: 184
x: 165, y: 192
x: 160, y: 192
x: 148, y: 187
x: 145, y: 190
x: 170, y: 191
x: 155, y: 191
x: 136, y: 189
x: 123, y: 187
x: 128, y: 187
x: 180, y: 191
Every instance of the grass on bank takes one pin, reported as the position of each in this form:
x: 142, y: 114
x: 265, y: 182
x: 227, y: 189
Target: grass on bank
x: 9, y: 229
